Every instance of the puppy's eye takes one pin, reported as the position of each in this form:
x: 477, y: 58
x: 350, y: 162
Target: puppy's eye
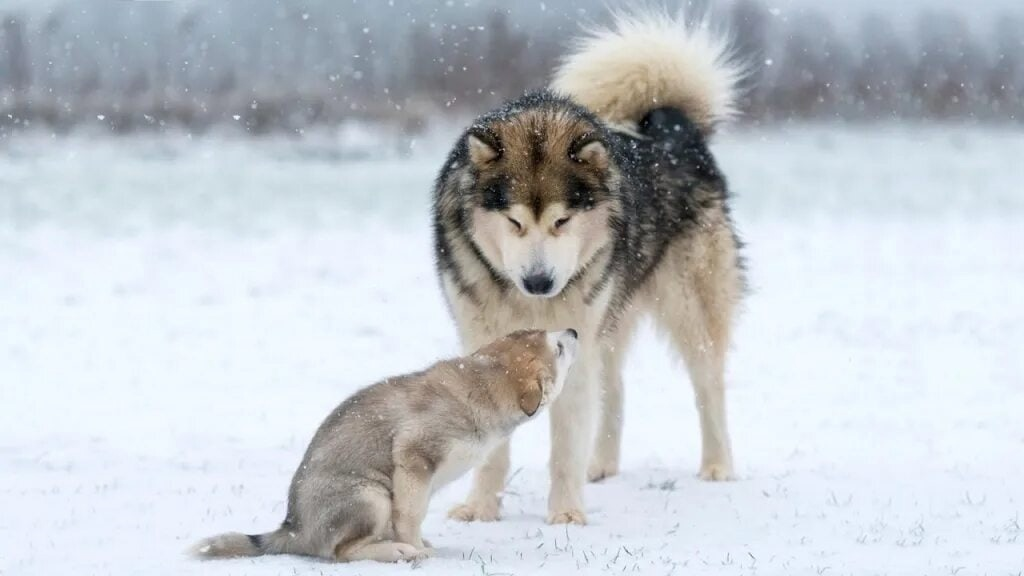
x: 561, y: 222
x: 519, y: 227
x: 561, y: 349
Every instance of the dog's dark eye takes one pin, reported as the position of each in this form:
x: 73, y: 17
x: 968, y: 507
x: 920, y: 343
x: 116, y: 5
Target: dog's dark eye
x: 562, y: 221
x: 580, y: 195
x: 561, y: 349
x: 495, y: 196
x: 519, y: 227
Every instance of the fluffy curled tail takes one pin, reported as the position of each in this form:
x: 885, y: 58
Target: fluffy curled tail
x: 233, y: 545
x: 647, y: 60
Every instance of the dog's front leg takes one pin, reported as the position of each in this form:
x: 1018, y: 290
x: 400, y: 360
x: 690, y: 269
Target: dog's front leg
x: 573, y: 417
x: 410, y: 496
x: 484, y: 502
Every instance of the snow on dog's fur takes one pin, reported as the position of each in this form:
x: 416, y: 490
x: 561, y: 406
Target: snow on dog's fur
x: 547, y: 214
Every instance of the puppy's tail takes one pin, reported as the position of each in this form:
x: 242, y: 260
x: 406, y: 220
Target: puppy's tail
x: 648, y: 59
x: 237, y: 545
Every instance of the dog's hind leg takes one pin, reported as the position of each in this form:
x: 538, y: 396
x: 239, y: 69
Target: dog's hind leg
x: 383, y: 551
x: 705, y: 360
x: 695, y: 295
x: 706, y: 365
x: 365, y: 531
x: 604, y: 462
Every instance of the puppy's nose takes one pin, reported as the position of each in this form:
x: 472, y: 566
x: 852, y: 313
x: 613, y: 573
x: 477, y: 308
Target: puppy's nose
x: 572, y: 333
x: 538, y: 283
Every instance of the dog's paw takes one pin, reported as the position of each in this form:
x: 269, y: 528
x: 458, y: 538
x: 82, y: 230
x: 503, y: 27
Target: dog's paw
x: 600, y: 470
x: 716, y: 472
x: 476, y: 512
x: 571, y: 516
x: 418, y: 555
x: 394, y: 552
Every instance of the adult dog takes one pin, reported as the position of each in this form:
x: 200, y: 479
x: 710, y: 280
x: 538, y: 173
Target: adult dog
x: 587, y: 205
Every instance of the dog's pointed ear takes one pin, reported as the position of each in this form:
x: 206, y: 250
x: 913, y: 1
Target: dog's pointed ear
x: 483, y: 147
x: 529, y: 399
x: 592, y: 152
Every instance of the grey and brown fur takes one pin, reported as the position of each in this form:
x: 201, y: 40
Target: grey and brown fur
x: 363, y: 486
x: 590, y: 205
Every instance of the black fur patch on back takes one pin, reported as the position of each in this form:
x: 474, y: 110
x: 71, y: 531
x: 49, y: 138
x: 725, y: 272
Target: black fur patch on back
x: 256, y: 540
x: 677, y: 135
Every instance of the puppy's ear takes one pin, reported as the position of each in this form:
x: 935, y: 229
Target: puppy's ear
x: 591, y: 152
x: 529, y: 399
x: 483, y: 147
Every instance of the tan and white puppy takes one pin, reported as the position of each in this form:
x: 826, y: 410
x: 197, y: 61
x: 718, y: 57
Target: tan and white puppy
x: 363, y: 487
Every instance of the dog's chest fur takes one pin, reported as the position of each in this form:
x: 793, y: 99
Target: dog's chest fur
x: 461, y: 457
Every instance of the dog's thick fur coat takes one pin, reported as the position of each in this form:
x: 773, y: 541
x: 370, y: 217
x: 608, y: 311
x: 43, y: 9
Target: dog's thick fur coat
x: 364, y: 484
x: 587, y: 206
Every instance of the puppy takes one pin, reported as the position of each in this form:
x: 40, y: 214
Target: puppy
x: 363, y: 487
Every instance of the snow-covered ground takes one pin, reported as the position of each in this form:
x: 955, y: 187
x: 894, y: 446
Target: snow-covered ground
x: 177, y: 317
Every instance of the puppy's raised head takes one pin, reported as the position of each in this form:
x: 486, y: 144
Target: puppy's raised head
x: 540, y: 189
x: 533, y: 366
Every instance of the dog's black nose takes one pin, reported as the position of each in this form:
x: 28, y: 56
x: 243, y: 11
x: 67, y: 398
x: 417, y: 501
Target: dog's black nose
x: 538, y: 283
x: 572, y: 332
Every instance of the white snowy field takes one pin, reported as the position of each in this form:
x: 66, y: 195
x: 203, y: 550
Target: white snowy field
x: 177, y: 317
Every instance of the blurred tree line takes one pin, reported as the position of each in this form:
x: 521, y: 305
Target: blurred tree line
x: 273, y: 66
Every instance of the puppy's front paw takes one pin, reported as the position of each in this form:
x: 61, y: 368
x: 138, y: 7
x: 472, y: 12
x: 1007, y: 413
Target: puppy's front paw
x: 476, y: 511
x: 716, y: 472
x: 571, y: 516
x: 418, y: 555
x: 398, y: 552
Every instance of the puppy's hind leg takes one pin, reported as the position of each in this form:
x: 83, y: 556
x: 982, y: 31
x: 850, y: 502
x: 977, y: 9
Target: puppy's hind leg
x: 383, y: 551
x: 366, y: 531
